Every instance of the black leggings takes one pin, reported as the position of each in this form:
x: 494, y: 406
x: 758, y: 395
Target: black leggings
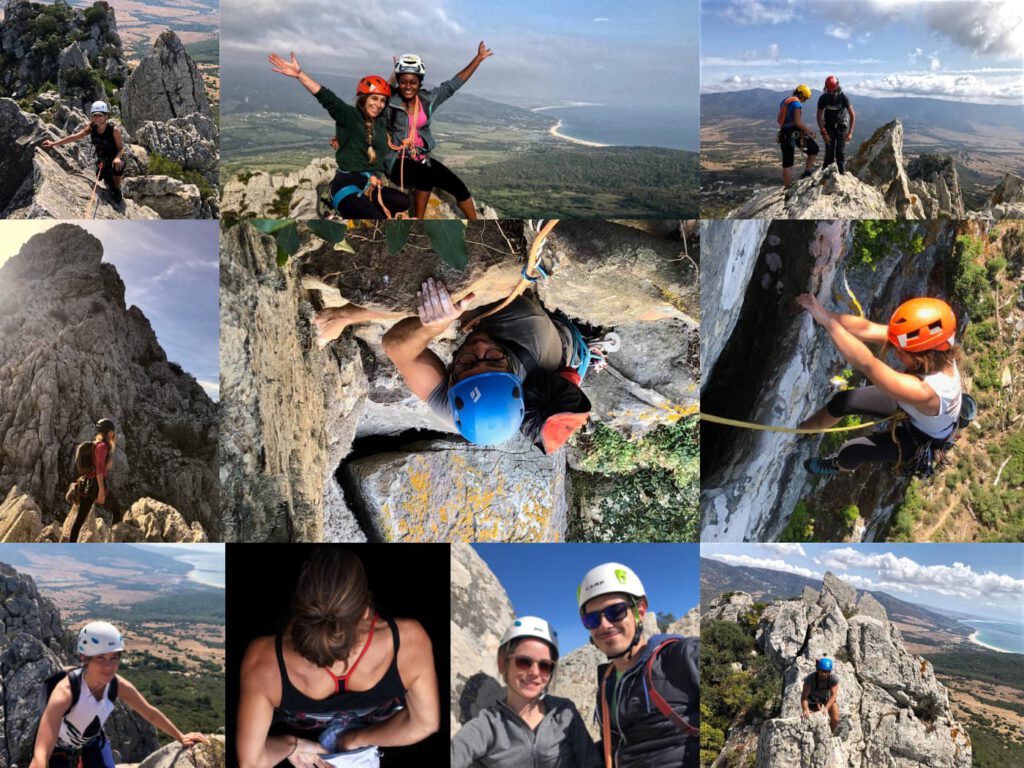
x: 89, y: 494
x: 359, y: 206
x: 878, y: 447
x: 423, y: 177
x: 792, y: 138
x: 835, y: 147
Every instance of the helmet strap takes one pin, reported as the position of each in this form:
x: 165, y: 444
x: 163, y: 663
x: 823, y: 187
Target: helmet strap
x: 636, y: 635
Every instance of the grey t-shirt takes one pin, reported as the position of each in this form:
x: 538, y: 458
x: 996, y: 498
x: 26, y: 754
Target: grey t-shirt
x: 821, y: 689
x: 532, y: 338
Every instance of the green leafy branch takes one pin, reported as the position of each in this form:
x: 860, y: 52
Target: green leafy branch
x: 447, y: 238
x: 286, y: 233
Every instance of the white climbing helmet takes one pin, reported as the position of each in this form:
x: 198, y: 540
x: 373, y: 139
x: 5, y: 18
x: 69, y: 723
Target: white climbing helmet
x: 99, y: 106
x: 98, y: 637
x: 532, y: 626
x: 410, y: 63
x: 609, y: 578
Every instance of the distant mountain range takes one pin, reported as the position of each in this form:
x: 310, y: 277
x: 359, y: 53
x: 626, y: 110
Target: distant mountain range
x: 148, y: 559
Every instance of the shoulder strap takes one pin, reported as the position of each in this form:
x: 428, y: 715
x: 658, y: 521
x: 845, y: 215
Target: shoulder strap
x: 75, y: 680
x: 659, y: 701
x: 340, y: 680
x: 112, y: 689
x: 606, y: 719
x: 285, y: 683
x: 394, y: 635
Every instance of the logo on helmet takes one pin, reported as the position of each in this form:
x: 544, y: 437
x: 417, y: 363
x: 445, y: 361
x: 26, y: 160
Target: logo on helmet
x: 620, y: 575
x: 475, y: 395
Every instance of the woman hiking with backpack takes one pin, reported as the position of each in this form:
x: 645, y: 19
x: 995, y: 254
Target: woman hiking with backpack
x: 93, y: 461
x: 70, y: 731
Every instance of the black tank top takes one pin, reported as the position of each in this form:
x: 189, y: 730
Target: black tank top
x: 106, y: 147
x: 352, y: 709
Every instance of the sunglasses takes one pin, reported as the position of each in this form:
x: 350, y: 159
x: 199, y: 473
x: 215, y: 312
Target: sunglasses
x: 613, y: 613
x: 525, y: 663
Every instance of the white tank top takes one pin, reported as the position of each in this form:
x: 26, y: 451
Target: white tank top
x: 84, y: 721
x: 948, y: 389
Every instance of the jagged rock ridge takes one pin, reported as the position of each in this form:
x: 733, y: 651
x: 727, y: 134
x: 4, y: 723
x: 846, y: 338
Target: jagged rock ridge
x: 74, y: 353
x: 604, y: 274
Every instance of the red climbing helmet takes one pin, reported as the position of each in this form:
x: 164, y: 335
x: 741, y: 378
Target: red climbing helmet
x: 371, y: 84
x: 922, y: 324
x: 831, y: 83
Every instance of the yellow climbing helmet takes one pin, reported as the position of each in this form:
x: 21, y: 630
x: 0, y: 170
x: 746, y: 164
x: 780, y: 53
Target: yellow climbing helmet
x: 803, y: 91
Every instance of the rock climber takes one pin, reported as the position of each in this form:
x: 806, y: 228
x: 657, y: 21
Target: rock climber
x: 92, y: 486
x: 70, y: 731
x: 520, y: 351
x: 340, y: 678
x: 836, y: 120
x: 555, y: 733
x: 793, y: 133
x: 922, y: 332
x: 821, y: 693
x: 357, y: 190
x: 409, y: 161
x: 109, y: 145
x: 648, y: 699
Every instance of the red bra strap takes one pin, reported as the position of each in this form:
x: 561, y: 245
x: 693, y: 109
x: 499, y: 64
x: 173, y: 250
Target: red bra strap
x: 342, y: 681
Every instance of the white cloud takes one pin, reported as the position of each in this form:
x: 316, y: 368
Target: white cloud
x: 757, y: 562
x: 957, y: 580
x: 838, y: 31
x: 914, y: 55
x: 212, y: 388
x: 785, y: 549
x: 601, y: 19
x: 750, y: 12
x: 935, y: 65
x: 959, y: 86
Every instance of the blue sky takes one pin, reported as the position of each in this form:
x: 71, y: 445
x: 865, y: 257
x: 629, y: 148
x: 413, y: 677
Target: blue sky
x: 171, y: 272
x: 980, y: 579
x: 544, y: 52
x: 541, y: 579
x: 948, y: 49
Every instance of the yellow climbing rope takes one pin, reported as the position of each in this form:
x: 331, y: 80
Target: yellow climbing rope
x: 894, y: 417
x: 853, y: 297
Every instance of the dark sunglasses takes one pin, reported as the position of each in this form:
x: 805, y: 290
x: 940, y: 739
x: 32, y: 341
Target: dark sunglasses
x: 613, y: 613
x: 524, y: 663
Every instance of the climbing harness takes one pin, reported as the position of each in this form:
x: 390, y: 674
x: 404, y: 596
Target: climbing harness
x: 408, y: 145
x: 92, y: 197
x: 588, y: 354
x: 373, y: 184
x: 894, y: 417
x: 932, y: 454
x: 531, y: 272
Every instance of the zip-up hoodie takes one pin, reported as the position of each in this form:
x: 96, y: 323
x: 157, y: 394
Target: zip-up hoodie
x: 398, y: 118
x: 499, y: 738
x: 642, y: 737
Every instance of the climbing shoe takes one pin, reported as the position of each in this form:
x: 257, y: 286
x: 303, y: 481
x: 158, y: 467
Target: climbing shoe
x: 116, y: 196
x: 806, y: 174
x: 324, y: 208
x: 819, y: 466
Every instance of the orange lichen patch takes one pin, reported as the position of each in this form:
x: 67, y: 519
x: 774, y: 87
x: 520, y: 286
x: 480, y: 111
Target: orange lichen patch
x: 924, y: 666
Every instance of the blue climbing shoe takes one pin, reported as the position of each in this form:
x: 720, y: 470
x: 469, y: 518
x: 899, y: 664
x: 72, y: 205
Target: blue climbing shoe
x: 818, y: 466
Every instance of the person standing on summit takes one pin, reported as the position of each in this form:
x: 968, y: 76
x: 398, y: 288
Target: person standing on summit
x: 793, y: 133
x: 836, y: 119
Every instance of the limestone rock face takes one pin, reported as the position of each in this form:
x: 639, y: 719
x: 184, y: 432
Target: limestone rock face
x: 451, y: 490
x: 75, y: 80
x: 729, y: 608
x: 174, y: 755
x: 165, y: 85
x: 190, y: 141
x: 935, y: 182
x: 480, y: 614
x: 826, y: 194
x: 53, y: 385
x: 1006, y: 201
x: 893, y: 711
x: 170, y: 198
x: 20, y: 518
x: 879, y: 162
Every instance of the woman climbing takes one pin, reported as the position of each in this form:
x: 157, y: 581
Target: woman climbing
x: 92, y: 486
x: 554, y: 733
x: 70, y: 731
x: 923, y: 334
x: 109, y: 145
x: 357, y: 191
x: 410, y: 142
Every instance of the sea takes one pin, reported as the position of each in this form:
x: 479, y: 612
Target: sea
x: 1004, y: 635
x: 207, y: 567
x: 647, y: 127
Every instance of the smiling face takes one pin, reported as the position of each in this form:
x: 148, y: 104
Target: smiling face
x: 614, y: 637
x: 409, y: 85
x: 526, y: 683
x: 374, y: 104
x: 101, y: 669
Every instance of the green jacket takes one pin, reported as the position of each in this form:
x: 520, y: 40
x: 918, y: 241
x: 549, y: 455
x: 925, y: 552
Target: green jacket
x: 350, y: 126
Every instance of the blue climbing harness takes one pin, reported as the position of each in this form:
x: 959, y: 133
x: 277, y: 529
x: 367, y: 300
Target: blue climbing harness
x: 349, y: 190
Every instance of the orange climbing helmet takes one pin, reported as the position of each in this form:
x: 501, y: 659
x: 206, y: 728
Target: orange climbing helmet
x: 919, y: 325
x: 371, y: 84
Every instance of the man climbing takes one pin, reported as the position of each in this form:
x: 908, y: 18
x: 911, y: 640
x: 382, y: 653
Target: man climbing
x: 106, y: 140
x: 79, y: 702
x: 793, y: 133
x: 836, y: 119
x: 93, y: 461
x: 821, y: 693
x: 648, y: 700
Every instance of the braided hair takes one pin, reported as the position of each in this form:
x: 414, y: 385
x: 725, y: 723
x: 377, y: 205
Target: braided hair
x: 368, y: 122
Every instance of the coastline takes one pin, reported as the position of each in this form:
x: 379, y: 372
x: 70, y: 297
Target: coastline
x: 197, y: 580
x: 553, y: 130
x: 974, y: 639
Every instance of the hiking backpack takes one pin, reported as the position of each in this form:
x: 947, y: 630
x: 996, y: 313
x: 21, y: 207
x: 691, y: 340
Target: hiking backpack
x: 784, y: 107
x: 74, y: 677
x: 84, y: 462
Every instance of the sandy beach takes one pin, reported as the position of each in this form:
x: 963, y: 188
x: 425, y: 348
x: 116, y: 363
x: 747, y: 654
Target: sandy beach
x: 553, y: 130
x: 974, y: 639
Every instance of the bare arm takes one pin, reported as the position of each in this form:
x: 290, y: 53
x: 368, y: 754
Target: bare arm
x: 804, y: 695
x: 422, y: 714
x: 483, y: 52
x: 119, y: 142
x: 853, y: 121
x: 862, y: 328
x: 49, y: 724
x: 68, y: 139
x: 833, y: 695
x: 130, y: 695
x: 798, y: 121
x: 292, y: 69
x: 821, y: 122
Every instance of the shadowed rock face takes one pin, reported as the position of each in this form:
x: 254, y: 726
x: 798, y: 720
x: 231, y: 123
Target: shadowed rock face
x: 165, y: 85
x: 75, y: 353
x: 893, y: 710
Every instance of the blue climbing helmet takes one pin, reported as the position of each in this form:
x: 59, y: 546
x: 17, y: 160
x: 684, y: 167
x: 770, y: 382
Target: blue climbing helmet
x: 825, y: 665
x: 488, y: 407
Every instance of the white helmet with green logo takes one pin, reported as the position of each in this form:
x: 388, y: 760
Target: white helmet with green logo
x: 606, y: 579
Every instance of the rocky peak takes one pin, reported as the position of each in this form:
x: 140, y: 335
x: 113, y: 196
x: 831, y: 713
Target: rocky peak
x: 892, y: 708
x: 165, y: 85
x: 53, y: 386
